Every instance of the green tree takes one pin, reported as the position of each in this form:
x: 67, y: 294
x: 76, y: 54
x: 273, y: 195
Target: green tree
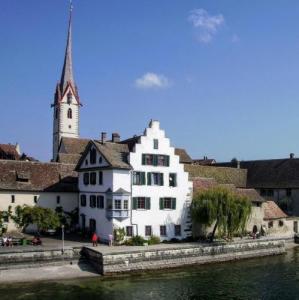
x: 224, y: 208
x: 43, y: 218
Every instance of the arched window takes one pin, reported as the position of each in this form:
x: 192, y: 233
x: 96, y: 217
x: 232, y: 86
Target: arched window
x: 69, y: 113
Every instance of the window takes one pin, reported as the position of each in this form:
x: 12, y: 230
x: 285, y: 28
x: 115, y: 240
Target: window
x: 177, y: 230
x: 100, y: 159
x: 270, y: 224
x: 92, y: 201
x: 280, y: 223
x: 172, y: 179
x: 100, y: 201
x: 163, y: 230
x: 155, y: 160
x: 167, y: 203
x: 148, y: 230
x: 69, y: 98
x: 93, y: 178
x: 117, y: 204
x: 100, y: 177
x: 13, y: 199
x: 57, y: 199
x: 129, y: 231
x: 86, y: 162
x: 93, y: 156
x: 141, y: 203
x: 126, y: 204
x: 289, y: 192
x: 155, y: 179
x: 83, y: 200
x: 139, y: 178
x: 156, y: 144
x: 69, y: 113
x: 35, y: 199
x: 86, y: 178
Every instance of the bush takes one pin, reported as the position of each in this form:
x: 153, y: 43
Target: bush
x: 153, y: 240
x: 136, y: 240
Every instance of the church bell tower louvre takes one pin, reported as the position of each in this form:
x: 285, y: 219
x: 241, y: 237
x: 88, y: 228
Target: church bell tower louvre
x: 66, y: 106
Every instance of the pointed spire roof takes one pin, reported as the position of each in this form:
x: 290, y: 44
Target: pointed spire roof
x: 67, y: 71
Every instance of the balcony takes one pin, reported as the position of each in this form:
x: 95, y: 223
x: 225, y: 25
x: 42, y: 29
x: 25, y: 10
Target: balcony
x: 117, y: 213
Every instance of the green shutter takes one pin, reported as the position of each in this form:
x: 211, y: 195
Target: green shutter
x: 173, y: 203
x: 143, y: 159
x: 143, y: 178
x: 175, y: 180
x: 149, y: 178
x: 167, y: 160
x: 134, y: 203
x: 161, y: 179
x: 147, y: 203
x: 161, y: 203
x: 155, y: 160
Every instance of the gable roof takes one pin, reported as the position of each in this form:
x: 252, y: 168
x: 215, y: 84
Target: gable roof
x: 115, y: 154
x: 35, y: 176
x: 272, y: 211
x: 184, y: 156
x: 9, y: 150
x: 270, y: 173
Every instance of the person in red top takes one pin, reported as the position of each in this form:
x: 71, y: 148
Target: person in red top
x: 94, y: 240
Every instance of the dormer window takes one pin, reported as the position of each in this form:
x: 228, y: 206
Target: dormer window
x: 69, y: 98
x: 69, y: 113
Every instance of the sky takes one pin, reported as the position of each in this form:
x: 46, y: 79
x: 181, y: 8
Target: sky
x: 222, y: 77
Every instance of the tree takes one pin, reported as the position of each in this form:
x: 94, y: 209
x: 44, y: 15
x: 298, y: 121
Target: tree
x: 224, y: 208
x: 43, y: 218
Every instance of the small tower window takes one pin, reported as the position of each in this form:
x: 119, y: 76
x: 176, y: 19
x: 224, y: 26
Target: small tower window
x: 69, y: 113
x: 69, y: 98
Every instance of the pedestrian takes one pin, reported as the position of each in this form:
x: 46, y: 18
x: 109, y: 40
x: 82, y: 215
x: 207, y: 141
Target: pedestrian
x: 94, y: 240
x: 110, y: 240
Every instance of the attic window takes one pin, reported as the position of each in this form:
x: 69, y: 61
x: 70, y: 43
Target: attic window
x: 22, y: 177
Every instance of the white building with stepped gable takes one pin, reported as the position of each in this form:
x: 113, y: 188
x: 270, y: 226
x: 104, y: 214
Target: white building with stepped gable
x: 137, y: 184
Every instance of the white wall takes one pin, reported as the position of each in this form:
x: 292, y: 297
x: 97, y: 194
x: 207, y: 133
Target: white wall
x: 183, y: 192
x: 69, y: 201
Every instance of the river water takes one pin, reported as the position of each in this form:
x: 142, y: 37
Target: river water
x: 274, y: 277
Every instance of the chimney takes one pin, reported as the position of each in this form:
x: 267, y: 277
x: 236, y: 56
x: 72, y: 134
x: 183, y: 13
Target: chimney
x: 292, y: 155
x: 238, y: 164
x: 115, y: 137
x: 18, y: 149
x: 103, y: 137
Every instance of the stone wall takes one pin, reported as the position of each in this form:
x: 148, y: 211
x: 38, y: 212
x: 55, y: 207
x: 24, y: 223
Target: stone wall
x: 149, y: 259
x: 10, y: 258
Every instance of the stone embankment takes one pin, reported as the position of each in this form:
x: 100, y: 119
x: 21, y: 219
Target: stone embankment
x: 11, y: 258
x: 173, y: 256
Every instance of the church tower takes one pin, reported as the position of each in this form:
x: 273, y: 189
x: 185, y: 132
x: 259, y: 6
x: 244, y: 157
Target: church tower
x: 66, y: 100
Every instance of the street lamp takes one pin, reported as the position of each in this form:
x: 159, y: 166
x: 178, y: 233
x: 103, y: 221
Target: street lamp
x: 62, y: 232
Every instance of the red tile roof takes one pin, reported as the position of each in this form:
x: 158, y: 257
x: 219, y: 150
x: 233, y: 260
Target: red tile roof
x: 272, y: 211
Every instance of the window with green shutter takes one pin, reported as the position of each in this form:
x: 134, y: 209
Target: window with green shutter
x: 143, y: 159
x: 167, y: 203
x: 172, y: 180
x: 138, y: 178
x: 149, y: 178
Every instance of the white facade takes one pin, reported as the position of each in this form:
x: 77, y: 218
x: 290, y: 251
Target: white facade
x: 68, y: 201
x: 145, y: 207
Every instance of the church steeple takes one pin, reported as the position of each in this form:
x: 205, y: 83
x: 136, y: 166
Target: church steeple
x: 67, y: 71
x: 66, y: 100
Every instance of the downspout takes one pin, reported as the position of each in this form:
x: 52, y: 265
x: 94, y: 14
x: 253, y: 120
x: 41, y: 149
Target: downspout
x: 131, y: 212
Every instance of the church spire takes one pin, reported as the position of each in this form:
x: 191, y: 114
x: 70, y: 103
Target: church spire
x: 67, y: 76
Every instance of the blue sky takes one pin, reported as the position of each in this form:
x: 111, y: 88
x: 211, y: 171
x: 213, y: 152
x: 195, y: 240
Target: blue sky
x: 221, y: 76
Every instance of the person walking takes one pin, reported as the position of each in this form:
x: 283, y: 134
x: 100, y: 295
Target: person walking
x: 94, y: 240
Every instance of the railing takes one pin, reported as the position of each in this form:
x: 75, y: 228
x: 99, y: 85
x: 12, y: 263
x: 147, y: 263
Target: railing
x: 117, y: 213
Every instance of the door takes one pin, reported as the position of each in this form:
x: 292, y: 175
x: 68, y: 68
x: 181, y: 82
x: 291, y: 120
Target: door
x: 92, y: 225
